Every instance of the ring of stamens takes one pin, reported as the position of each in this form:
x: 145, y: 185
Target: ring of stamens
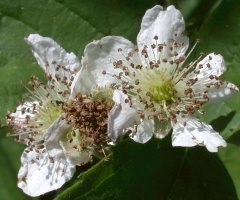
x: 46, y: 107
x: 162, y: 87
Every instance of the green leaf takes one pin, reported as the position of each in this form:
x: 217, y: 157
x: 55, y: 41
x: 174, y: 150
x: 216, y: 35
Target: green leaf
x: 220, y: 33
x: 196, y: 11
x: 230, y: 157
x: 155, y: 170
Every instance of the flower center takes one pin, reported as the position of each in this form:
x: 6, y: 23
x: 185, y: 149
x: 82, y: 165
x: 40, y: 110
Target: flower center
x: 47, y: 114
x: 162, y: 91
x: 89, y: 114
x: 31, y: 120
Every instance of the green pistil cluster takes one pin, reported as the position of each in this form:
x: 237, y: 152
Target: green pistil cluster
x: 163, y: 91
x: 47, y: 114
x: 104, y: 94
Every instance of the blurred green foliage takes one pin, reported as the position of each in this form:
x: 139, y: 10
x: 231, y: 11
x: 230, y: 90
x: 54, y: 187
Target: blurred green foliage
x: 154, y: 171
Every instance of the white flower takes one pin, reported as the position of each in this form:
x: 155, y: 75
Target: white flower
x: 65, y: 123
x: 156, y: 89
x: 41, y: 172
x: 32, y: 118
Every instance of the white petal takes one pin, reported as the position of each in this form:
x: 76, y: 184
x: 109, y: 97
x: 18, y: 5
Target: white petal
x: 99, y: 56
x: 83, y: 82
x: 162, y: 128
x: 212, y: 64
x: 49, y: 55
x: 190, y: 132
x: 121, y: 116
x: 40, y: 174
x: 208, y: 70
x: 223, y: 92
x: 53, y: 136
x: 164, y: 24
x: 119, y: 98
x: 206, y: 73
x: 144, y: 131
x: 58, y: 146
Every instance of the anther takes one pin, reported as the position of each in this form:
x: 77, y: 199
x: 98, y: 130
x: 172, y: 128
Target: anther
x: 137, y: 82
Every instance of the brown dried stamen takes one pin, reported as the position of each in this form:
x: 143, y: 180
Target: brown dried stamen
x: 89, y: 116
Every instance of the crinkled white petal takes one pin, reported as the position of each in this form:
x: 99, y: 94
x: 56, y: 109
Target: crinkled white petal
x: 212, y: 64
x: 120, y: 117
x: 144, y: 131
x: 53, y: 136
x: 190, y: 132
x: 223, y: 91
x: 99, y: 56
x: 49, y: 55
x: 164, y: 24
x: 40, y: 174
